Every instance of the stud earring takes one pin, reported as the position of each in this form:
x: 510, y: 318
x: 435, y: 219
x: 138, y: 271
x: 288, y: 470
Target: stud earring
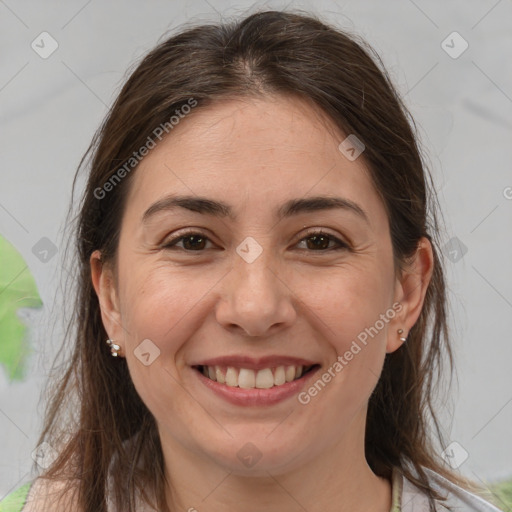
x: 114, y: 348
x: 402, y: 338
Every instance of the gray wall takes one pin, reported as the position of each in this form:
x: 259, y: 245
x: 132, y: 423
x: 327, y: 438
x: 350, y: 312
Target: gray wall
x: 51, y: 106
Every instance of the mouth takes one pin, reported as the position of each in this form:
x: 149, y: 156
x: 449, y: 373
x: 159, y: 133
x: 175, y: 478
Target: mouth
x: 247, y: 378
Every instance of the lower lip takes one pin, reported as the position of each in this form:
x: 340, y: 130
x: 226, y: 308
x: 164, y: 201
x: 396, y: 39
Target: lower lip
x: 256, y: 397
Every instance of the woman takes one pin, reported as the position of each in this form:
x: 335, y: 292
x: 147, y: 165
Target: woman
x: 261, y: 312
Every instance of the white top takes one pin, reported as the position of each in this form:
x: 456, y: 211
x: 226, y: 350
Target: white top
x: 458, y: 500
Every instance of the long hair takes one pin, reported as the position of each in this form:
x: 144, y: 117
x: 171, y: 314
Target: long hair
x: 263, y: 54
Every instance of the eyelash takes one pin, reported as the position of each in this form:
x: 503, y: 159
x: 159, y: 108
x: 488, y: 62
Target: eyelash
x: 341, y: 245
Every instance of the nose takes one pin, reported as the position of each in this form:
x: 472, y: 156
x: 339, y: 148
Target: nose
x: 255, y: 299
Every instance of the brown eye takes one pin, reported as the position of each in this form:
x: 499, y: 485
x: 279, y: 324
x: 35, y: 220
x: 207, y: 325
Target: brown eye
x: 194, y: 242
x: 191, y: 242
x: 319, y: 241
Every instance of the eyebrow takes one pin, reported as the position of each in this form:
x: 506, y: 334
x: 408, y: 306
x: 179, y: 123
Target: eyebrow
x: 292, y: 207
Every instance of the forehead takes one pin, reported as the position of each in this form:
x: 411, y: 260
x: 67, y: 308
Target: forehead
x: 253, y: 151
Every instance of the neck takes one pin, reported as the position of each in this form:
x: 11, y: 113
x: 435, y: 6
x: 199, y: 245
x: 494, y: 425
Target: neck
x: 336, y: 480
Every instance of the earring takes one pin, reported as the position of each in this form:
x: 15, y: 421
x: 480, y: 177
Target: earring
x: 400, y: 332
x: 114, y: 348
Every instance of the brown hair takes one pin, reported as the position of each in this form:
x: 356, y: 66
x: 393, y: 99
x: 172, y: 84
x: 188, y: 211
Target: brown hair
x: 266, y: 53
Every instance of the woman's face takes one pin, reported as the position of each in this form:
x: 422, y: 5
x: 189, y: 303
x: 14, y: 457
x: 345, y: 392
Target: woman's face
x: 235, y: 277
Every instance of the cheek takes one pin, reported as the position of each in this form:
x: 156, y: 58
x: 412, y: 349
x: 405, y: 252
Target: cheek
x: 352, y: 300
x: 356, y: 309
x: 167, y: 306
x: 161, y: 304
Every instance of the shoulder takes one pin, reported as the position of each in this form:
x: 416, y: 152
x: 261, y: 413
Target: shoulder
x: 457, y: 498
x: 39, y: 495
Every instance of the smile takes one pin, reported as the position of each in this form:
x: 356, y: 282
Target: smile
x: 246, y: 378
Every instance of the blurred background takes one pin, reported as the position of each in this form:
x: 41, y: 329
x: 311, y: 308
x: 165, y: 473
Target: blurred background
x: 61, y: 65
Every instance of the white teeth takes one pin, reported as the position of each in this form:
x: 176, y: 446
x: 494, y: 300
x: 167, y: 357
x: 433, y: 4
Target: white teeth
x: 250, y: 379
x: 247, y: 379
x: 290, y: 373
x: 264, y: 379
x: 219, y: 375
x: 279, y: 376
x: 231, y: 377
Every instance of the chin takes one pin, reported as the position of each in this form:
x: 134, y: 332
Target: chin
x: 258, y: 453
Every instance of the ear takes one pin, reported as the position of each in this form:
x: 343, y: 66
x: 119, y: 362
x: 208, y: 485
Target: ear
x: 105, y: 287
x: 410, y: 290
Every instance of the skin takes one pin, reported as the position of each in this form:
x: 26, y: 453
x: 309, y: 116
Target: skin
x: 255, y: 154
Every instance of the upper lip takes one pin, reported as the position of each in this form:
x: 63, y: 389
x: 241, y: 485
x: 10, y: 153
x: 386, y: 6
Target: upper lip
x: 252, y: 363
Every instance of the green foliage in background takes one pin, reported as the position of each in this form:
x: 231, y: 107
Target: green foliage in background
x: 502, y: 495
x: 17, y: 290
